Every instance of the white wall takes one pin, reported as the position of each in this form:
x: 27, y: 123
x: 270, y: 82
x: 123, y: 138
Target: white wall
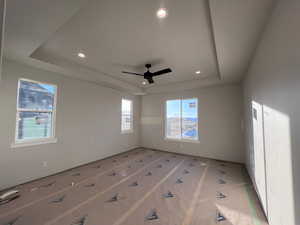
x: 273, y: 81
x: 87, y: 126
x: 2, y: 22
x: 219, y: 123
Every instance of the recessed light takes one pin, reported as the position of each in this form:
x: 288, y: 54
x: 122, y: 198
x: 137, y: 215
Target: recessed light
x: 198, y: 72
x: 161, y: 13
x: 144, y: 82
x: 81, y: 55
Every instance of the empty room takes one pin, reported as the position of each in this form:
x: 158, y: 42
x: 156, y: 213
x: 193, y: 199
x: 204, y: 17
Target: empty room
x: 139, y: 112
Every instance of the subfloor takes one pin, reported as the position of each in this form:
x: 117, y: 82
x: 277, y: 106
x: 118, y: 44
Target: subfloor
x: 139, y: 187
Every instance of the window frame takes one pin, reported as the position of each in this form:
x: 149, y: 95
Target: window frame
x: 35, y: 141
x: 165, y: 121
x: 127, y: 131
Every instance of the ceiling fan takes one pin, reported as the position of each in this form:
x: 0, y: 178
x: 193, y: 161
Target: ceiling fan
x: 149, y: 75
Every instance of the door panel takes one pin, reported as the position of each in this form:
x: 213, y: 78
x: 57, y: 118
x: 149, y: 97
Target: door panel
x: 259, y: 153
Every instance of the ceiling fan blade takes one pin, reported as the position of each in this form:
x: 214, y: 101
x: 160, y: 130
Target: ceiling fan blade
x: 160, y: 72
x: 150, y: 80
x: 133, y: 73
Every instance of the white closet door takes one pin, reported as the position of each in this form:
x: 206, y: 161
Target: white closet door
x: 259, y: 153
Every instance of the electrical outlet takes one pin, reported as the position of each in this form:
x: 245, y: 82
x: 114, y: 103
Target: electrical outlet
x: 45, y: 164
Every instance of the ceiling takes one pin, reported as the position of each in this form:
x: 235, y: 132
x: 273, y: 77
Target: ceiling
x: 216, y: 37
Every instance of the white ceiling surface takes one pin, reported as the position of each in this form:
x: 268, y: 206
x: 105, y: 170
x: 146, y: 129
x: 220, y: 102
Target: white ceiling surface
x: 121, y: 35
x: 238, y: 25
x: 29, y: 23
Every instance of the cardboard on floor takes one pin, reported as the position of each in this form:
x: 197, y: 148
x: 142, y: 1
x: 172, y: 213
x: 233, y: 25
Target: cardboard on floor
x: 139, y: 187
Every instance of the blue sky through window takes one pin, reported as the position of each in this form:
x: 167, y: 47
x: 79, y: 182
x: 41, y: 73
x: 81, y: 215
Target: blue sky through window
x: 189, y: 108
x: 50, y: 88
x: 173, y: 108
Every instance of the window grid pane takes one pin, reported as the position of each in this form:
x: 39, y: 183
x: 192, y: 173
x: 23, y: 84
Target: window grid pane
x: 173, y: 129
x: 189, y: 119
x: 36, y: 96
x: 33, y: 125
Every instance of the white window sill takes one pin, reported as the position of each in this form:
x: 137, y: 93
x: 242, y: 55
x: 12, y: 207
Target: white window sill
x: 126, y: 131
x: 33, y: 142
x: 182, y: 140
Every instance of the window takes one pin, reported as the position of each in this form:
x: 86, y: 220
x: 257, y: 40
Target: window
x: 35, y: 112
x: 182, y: 119
x: 127, y: 116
